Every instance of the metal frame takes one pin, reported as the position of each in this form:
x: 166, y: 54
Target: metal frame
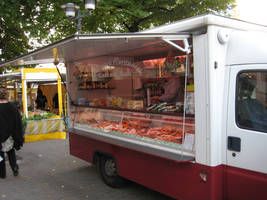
x: 28, y: 59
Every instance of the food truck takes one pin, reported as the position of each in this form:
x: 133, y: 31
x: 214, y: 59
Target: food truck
x: 179, y: 108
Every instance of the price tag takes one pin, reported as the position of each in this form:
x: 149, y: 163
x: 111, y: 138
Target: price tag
x: 189, y: 141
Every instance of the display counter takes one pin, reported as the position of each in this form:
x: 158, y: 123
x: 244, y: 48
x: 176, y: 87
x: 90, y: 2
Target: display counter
x: 127, y: 103
x: 42, y: 126
x: 45, y: 129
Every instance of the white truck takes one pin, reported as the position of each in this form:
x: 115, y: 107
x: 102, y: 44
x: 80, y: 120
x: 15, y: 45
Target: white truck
x: 125, y: 114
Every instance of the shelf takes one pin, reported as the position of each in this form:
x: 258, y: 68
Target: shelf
x: 91, y: 81
x: 96, y: 88
x: 150, y: 118
x: 137, y: 111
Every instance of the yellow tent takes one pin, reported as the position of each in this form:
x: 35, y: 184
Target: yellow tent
x: 53, y: 128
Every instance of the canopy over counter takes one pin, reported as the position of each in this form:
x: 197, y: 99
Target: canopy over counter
x: 80, y: 47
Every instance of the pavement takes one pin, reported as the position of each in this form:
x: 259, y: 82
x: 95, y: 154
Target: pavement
x: 49, y: 172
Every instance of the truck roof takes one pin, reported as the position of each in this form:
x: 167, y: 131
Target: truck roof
x: 200, y: 22
x: 246, y: 40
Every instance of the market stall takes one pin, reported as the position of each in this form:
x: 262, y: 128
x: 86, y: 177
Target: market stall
x: 22, y: 87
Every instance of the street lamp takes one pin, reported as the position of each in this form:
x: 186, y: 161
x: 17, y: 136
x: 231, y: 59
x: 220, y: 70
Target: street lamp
x: 70, y: 10
x: 2, y: 59
x: 89, y: 4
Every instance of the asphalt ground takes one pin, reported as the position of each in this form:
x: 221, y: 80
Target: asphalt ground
x: 48, y: 172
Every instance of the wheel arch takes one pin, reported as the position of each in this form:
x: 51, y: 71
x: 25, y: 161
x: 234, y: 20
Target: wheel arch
x: 98, y: 154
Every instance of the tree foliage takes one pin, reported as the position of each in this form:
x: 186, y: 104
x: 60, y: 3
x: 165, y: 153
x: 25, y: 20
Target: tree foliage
x: 137, y: 15
x: 24, y: 23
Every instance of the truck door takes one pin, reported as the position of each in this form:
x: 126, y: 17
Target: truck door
x: 246, y: 156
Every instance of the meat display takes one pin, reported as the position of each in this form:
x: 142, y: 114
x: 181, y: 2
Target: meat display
x: 143, y: 128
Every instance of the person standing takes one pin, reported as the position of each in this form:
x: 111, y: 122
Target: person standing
x: 11, y: 134
x: 40, y: 100
x: 55, y: 101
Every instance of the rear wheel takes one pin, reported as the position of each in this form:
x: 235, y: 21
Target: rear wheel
x: 109, y: 172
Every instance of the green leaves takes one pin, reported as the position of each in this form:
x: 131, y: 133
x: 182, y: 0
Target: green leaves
x: 40, y: 116
x: 132, y: 16
x: 45, y: 21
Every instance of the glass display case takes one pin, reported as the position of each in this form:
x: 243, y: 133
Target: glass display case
x: 148, y: 100
x: 155, y: 128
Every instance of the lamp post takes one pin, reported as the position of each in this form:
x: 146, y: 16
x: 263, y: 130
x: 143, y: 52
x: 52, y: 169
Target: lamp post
x: 1, y: 59
x: 71, y: 8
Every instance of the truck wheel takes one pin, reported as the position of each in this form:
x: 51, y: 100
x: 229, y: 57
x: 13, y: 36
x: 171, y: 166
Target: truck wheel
x: 109, y: 172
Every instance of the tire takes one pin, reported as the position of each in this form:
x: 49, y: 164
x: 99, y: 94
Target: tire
x: 109, y: 172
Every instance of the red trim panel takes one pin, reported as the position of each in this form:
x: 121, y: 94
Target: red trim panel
x: 180, y: 180
x: 175, y: 179
x: 245, y: 184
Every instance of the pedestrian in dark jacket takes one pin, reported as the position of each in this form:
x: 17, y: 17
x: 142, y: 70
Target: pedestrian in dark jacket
x: 11, y: 134
x: 40, y: 100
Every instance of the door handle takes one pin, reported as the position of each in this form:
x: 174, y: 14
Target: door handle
x: 234, y: 143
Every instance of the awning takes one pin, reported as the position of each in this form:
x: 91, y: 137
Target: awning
x: 10, y: 76
x: 38, y: 77
x: 80, y: 47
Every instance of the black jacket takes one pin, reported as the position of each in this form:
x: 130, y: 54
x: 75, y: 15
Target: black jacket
x: 11, y: 124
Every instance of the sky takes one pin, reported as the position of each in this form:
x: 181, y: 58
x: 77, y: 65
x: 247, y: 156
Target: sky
x: 252, y: 11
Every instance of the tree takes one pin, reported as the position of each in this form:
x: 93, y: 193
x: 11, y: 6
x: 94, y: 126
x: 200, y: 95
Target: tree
x: 24, y: 21
x: 21, y: 21
x: 137, y: 15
